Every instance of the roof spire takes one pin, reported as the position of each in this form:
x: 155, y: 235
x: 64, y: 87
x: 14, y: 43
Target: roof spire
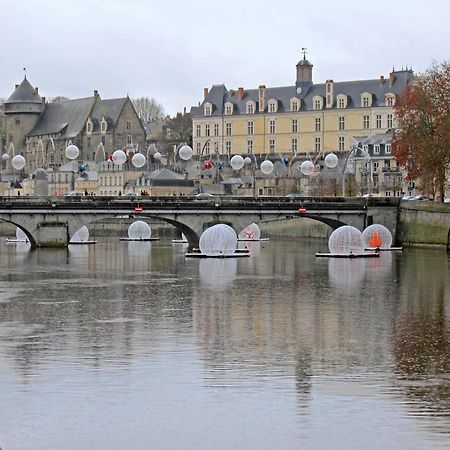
x: 304, y: 49
x: 25, y: 72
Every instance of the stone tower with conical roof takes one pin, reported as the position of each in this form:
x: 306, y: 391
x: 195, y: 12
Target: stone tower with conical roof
x: 304, y: 70
x: 22, y: 110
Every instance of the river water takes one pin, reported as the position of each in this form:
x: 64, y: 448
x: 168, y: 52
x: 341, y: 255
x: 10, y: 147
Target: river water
x: 125, y: 345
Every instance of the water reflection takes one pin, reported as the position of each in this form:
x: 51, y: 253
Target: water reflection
x: 217, y: 273
x: 346, y: 274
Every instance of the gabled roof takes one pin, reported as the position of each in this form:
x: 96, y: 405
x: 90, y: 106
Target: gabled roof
x: 24, y: 93
x: 165, y: 174
x: 67, y: 117
x: 109, y: 109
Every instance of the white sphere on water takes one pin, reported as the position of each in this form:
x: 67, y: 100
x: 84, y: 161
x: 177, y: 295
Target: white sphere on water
x: 252, y: 232
x: 237, y: 162
x: 72, y: 151
x: 307, y: 168
x: 247, y: 160
x: 138, y: 160
x: 119, y: 157
x: 185, y: 152
x: 266, y: 167
x: 139, y: 230
x: 331, y: 160
x: 377, y: 235
x: 218, y: 240
x: 345, y: 240
x: 18, y: 162
x: 81, y: 235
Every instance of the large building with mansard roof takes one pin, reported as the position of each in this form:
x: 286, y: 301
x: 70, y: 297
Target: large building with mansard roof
x: 41, y: 131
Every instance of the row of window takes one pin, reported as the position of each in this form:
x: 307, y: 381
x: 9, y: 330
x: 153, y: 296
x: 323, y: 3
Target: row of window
x: 366, y: 101
x: 295, y: 125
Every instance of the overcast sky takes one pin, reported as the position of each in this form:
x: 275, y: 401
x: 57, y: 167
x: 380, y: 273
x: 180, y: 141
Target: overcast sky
x: 171, y: 49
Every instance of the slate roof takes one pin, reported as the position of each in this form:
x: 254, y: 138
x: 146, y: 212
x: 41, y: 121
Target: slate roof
x: 165, y: 174
x: 109, y: 109
x: 24, y: 93
x: 67, y: 117
x: 219, y: 94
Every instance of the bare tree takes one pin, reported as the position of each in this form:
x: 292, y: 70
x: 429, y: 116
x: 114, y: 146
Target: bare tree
x: 148, y: 109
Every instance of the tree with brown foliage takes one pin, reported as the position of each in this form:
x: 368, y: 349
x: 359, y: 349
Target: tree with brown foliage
x: 422, y: 138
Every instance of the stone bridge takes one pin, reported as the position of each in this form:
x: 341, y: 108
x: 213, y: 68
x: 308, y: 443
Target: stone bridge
x: 51, y: 221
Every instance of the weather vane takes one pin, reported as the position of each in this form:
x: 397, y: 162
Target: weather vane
x: 25, y: 71
x: 304, y: 52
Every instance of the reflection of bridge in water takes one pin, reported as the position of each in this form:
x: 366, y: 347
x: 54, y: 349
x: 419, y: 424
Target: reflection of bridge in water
x: 52, y: 221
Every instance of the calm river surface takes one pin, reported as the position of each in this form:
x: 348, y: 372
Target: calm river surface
x: 133, y: 346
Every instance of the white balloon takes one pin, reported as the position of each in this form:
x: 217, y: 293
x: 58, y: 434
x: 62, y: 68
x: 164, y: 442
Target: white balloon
x: 72, y: 151
x: 218, y: 240
x: 185, y: 152
x: 331, y: 160
x: 247, y: 160
x: 252, y: 232
x: 81, y: 235
x: 119, y: 157
x: 346, y: 239
x: 307, y: 167
x: 266, y: 167
x: 139, y: 230
x: 237, y: 162
x: 138, y: 160
x: 157, y: 155
x: 5, y: 157
x: 18, y: 162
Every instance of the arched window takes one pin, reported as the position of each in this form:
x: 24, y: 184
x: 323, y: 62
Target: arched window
x: 228, y: 108
x: 208, y: 109
x: 295, y: 104
x: 272, y: 105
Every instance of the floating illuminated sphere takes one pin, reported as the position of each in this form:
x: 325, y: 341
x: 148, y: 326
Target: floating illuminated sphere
x: 185, y: 152
x: 139, y: 230
x: 345, y: 240
x: 252, y: 232
x: 5, y: 157
x: 266, y: 167
x: 157, y: 155
x: 331, y: 160
x: 72, y: 151
x: 237, y: 162
x: 20, y: 235
x: 119, y: 157
x: 307, y: 167
x: 207, y: 164
x: 18, y: 162
x: 218, y: 240
x: 81, y: 235
x: 377, y: 235
x: 247, y: 160
x: 138, y: 160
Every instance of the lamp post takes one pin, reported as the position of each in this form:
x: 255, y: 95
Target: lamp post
x: 366, y: 156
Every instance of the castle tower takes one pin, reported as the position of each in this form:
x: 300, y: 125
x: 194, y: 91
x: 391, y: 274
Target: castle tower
x: 304, y: 70
x: 22, y: 110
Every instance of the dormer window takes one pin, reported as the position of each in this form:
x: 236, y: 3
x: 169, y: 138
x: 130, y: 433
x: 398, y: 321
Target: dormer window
x: 341, y: 101
x: 208, y: 109
x: 272, y: 105
x: 366, y: 100
x: 251, y: 107
x: 295, y: 104
x: 228, y: 108
x: 389, y: 99
x: 103, y: 125
x: 89, y: 126
x: 317, y: 103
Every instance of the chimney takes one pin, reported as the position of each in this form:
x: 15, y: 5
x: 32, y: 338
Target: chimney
x: 36, y: 89
x: 381, y: 80
x: 262, y: 95
x: 240, y: 93
x: 43, y: 100
x: 95, y: 93
x: 391, y: 79
x: 205, y: 92
x: 16, y: 86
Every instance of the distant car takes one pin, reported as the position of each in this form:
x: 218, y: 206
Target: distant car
x: 423, y: 198
x: 204, y: 195
x: 408, y: 197
x: 370, y: 195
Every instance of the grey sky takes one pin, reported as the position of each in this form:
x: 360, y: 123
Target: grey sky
x: 170, y: 50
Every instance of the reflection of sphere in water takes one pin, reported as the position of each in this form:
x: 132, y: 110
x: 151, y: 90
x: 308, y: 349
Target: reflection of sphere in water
x: 81, y: 235
x: 218, y: 240
x: 139, y: 230
x: 218, y: 272
x: 379, y: 267
x: 346, y: 239
x: 377, y: 235
x: 345, y: 272
x: 250, y: 232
